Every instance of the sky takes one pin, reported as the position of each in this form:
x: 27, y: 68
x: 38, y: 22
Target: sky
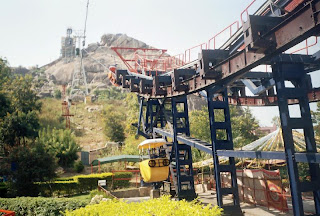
x: 31, y: 30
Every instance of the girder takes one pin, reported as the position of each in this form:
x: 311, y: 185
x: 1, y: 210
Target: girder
x: 219, y: 69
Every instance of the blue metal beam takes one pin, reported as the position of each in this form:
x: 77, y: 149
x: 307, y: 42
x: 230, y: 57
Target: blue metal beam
x: 204, y: 146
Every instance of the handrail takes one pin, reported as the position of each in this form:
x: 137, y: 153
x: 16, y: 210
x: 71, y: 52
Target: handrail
x: 100, y: 188
x: 132, y: 171
x: 226, y: 28
x: 246, y: 11
x: 7, y: 213
x: 307, y: 46
x: 189, y: 51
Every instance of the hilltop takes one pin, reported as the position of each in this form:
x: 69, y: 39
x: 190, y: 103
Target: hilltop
x: 95, y: 56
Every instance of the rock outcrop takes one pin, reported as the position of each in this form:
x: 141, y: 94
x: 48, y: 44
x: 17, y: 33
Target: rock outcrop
x: 97, y: 58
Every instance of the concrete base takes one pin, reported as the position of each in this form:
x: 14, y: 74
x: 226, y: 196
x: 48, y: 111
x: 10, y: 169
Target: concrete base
x: 154, y: 194
x: 144, y: 191
x: 137, y: 192
x: 201, y: 188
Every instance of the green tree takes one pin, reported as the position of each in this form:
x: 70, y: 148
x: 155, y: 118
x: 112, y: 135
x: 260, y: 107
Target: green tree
x: 26, y: 165
x: 57, y: 94
x: 60, y: 143
x: 132, y: 112
x: 316, y: 119
x: 4, y: 77
x: 23, y: 98
x: 114, y: 129
x: 25, y: 161
x: 5, y: 72
x: 17, y: 127
x: 19, y: 119
x: 243, y: 125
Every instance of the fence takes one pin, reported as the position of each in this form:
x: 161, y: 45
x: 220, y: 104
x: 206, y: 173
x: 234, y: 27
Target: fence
x: 136, y: 172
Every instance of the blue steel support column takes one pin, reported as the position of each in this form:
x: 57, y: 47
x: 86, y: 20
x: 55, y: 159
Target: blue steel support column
x: 147, y: 118
x: 175, y: 142
x: 185, y: 158
x: 140, y: 100
x: 295, y: 74
x: 151, y: 113
x: 218, y: 144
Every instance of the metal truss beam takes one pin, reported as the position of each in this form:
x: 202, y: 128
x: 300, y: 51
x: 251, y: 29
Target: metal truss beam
x: 222, y: 69
x: 206, y: 147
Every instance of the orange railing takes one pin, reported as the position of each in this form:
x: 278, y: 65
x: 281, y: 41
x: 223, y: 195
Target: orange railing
x: 246, y: 10
x: 307, y: 46
x: 229, y: 27
x: 137, y: 176
x: 187, y: 52
x: 7, y: 213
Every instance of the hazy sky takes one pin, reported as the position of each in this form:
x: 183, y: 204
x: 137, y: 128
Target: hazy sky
x: 31, y: 30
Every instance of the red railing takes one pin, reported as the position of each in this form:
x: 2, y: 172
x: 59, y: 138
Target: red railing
x: 187, y: 52
x: 246, y: 11
x: 137, y: 176
x: 7, y: 213
x: 307, y: 46
x: 225, y: 29
x: 178, y: 60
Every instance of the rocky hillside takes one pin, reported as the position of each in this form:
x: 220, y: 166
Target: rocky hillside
x: 97, y: 58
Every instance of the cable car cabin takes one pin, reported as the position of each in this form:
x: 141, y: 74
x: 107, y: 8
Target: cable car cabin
x: 155, y: 169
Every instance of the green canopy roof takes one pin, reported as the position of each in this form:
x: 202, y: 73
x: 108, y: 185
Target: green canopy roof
x: 118, y: 158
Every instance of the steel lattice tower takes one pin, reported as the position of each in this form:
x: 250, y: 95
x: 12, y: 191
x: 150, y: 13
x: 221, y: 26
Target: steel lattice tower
x: 79, y: 87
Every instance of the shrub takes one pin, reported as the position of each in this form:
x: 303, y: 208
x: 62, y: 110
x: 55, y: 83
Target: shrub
x: 40, y: 206
x: 61, y: 143
x: 57, y: 94
x: 78, y: 166
x: 32, y: 164
x: 161, y: 206
x: 82, y: 183
x: 122, y: 183
x: 90, y: 182
x: 58, y: 187
x: 3, y: 189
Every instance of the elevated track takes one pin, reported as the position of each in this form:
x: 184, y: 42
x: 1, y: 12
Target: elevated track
x: 223, y: 76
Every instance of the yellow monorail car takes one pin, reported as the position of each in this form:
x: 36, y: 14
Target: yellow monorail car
x: 156, y: 169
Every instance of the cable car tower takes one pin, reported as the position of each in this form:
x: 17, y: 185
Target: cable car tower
x: 79, y: 87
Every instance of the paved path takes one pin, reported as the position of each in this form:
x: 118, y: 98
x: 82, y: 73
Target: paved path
x: 249, y: 209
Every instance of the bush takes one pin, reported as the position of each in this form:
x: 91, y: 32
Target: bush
x: 57, y: 94
x: 78, y: 166
x: 82, y: 183
x: 61, y: 143
x: 58, y: 188
x: 161, y: 206
x: 90, y: 182
x: 40, y: 206
x: 33, y: 164
x: 122, y: 183
x: 3, y: 189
